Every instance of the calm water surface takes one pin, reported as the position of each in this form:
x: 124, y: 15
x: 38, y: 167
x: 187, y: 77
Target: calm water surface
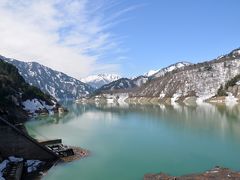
x: 128, y: 142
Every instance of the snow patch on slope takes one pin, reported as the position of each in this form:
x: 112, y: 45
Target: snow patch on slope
x: 170, y: 68
x: 34, y: 105
x: 230, y: 100
x: 55, y: 83
x: 32, y: 165
x: 151, y: 72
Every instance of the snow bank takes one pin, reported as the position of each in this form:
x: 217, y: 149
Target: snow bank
x: 202, y: 98
x: 238, y: 83
x: 33, y: 105
x: 14, y: 159
x: 122, y: 98
x: 151, y: 72
x: 110, y: 100
x: 3, y: 165
x: 175, y: 97
x: 33, y: 165
x: 230, y: 100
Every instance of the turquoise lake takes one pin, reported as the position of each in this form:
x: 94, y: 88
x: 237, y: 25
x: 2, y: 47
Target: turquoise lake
x: 130, y: 141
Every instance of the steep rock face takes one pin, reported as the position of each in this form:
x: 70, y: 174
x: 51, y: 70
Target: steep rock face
x: 57, y: 84
x: 97, y: 81
x: 202, y: 80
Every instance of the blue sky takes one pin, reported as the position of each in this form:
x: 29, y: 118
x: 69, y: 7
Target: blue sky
x: 163, y: 32
x: 127, y: 37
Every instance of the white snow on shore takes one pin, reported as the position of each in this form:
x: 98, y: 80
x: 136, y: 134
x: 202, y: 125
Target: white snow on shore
x: 33, y: 105
x: 15, y: 159
x: 122, y: 98
x: 175, y: 97
x: 3, y: 165
x: 230, y: 100
x: 202, y: 98
x: 32, y: 165
x: 116, y: 98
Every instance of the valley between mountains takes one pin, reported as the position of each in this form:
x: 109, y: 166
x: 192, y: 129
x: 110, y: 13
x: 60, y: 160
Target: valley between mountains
x: 215, y: 81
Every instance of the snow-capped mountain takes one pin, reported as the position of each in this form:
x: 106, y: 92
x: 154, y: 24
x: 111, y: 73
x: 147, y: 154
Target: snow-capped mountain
x: 170, y: 68
x: 150, y: 73
x: 202, y: 80
x: 55, y: 83
x: 97, y: 81
x: 126, y: 83
x: 184, y: 82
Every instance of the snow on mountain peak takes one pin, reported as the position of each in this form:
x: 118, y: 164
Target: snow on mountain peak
x: 236, y: 52
x: 150, y: 73
x: 97, y: 81
x: 170, y: 68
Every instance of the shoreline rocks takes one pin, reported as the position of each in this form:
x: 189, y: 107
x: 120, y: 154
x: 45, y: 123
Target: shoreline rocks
x: 79, y: 153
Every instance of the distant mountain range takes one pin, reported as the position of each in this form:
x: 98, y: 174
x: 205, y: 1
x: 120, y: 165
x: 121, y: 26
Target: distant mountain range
x: 182, y: 81
x: 97, y: 81
x: 201, y: 80
x: 55, y: 83
x: 122, y: 84
x: 62, y: 86
x: 176, y: 82
x: 126, y: 83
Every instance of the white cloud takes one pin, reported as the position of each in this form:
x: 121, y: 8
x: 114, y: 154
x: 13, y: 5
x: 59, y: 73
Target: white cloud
x: 67, y: 35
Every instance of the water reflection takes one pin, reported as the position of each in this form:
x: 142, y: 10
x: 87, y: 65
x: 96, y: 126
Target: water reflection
x: 210, y: 117
x: 137, y: 139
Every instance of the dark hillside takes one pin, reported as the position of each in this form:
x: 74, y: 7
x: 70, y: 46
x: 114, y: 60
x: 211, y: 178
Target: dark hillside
x: 14, y: 90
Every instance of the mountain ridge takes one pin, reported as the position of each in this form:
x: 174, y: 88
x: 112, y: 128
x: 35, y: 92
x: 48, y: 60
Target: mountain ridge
x: 97, y: 81
x: 16, y: 96
x: 55, y: 83
x: 201, y: 81
x: 136, y: 82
